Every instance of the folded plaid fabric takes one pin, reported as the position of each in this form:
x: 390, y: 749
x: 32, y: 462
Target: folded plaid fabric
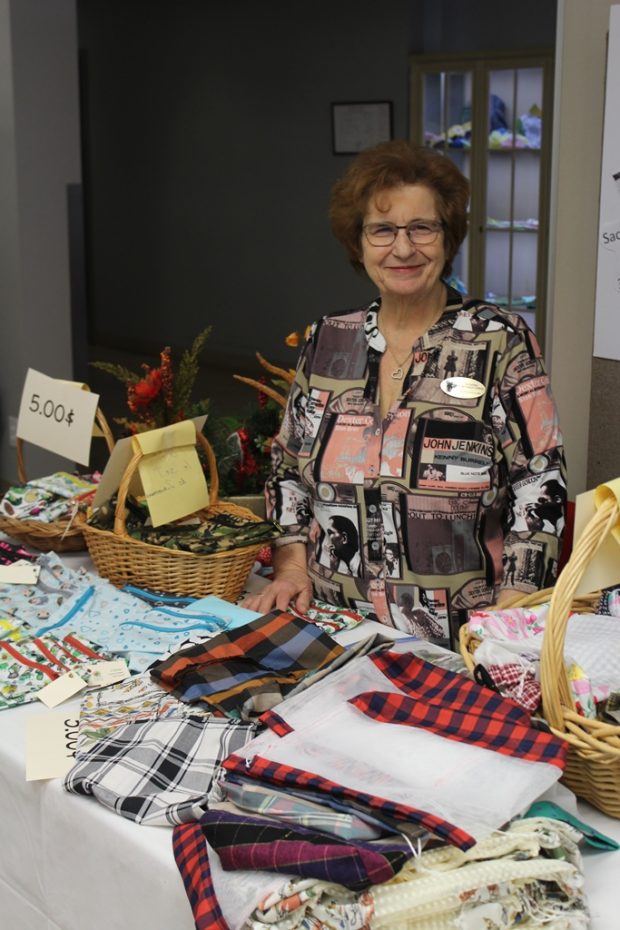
x: 250, y: 842
x: 327, y: 746
x: 158, y: 771
x: 439, y: 686
x: 519, y: 684
x: 289, y: 808
x: 273, y: 773
x: 511, y: 739
x: 246, y: 671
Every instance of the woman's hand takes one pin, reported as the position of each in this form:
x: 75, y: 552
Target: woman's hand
x: 291, y: 582
x: 292, y: 586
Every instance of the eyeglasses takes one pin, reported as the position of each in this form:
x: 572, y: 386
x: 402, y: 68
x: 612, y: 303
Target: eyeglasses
x: 419, y: 232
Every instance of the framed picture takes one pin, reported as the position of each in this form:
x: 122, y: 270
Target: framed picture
x: 355, y: 126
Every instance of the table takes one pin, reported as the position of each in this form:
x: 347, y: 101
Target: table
x: 67, y: 863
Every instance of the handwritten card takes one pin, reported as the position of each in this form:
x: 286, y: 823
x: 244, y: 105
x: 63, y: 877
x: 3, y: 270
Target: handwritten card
x: 51, y: 744
x: 120, y: 457
x: 172, y: 477
x: 57, y: 416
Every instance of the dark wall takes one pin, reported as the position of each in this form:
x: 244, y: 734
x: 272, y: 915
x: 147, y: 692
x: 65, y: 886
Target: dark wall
x: 208, y: 162
x: 451, y: 26
x: 207, y: 154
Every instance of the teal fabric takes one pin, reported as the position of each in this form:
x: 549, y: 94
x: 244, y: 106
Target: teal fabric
x: 591, y: 836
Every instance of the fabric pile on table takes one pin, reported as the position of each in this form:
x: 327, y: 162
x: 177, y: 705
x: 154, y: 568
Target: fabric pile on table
x: 309, y: 785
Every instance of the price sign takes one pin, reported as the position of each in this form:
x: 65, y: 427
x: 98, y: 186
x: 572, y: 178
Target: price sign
x: 57, y: 416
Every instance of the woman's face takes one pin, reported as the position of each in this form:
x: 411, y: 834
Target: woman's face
x: 403, y: 269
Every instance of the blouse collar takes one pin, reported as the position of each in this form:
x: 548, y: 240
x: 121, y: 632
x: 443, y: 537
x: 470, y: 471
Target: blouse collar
x: 374, y: 336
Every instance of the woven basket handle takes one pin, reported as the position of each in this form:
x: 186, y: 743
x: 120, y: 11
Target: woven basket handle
x: 556, y: 691
x: 120, y: 527
x: 103, y: 425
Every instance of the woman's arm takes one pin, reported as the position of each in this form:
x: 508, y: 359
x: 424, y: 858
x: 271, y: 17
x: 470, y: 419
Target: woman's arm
x: 534, y: 465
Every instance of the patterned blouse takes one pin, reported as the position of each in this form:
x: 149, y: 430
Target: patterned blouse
x: 459, y: 491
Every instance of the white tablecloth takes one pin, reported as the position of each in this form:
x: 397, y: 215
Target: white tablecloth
x: 67, y: 863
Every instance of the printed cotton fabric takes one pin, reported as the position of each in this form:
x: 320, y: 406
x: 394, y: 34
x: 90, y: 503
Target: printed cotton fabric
x: 449, y: 499
x: 28, y: 663
x: 77, y: 602
x: 219, y: 533
x: 13, y: 552
x: 134, y: 700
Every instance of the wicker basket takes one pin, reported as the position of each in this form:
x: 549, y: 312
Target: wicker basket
x: 60, y: 535
x: 593, y: 762
x: 123, y: 560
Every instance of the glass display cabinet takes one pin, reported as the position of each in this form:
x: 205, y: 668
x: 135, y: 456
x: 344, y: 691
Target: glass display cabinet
x: 492, y: 117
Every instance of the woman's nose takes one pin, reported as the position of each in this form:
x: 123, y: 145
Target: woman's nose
x: 403, y: 244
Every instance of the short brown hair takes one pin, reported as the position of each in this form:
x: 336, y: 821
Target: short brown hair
x: 391, y: 164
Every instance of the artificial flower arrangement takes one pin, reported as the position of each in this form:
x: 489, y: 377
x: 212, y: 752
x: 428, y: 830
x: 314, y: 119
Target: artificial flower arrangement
x: 160, y: 396
x: 243, y: 444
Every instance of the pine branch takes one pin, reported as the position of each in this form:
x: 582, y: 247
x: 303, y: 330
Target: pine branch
x: 118, y: 371
x: 188, y: 370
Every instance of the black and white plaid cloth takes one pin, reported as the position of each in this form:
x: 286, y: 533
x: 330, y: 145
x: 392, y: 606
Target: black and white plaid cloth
x: 159, y: 771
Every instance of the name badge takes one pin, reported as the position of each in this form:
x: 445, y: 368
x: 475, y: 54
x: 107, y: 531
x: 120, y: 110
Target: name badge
x: 462, y: 387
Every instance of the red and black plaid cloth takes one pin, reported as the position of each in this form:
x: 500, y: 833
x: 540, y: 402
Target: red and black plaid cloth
x: 457, y: 708
x: 274, y: 773
x: 192, y: 859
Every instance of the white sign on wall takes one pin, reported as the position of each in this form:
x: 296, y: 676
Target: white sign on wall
x: 607, y: 317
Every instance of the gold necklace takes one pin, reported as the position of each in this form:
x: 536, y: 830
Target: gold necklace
x: 398, y: 373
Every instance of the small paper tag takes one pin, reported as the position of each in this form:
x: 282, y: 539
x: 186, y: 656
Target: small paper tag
x: 462, y: 387
x: 61, y: 689
x: 107, y: 673
x: 51, y: 743
x: 20, y: 572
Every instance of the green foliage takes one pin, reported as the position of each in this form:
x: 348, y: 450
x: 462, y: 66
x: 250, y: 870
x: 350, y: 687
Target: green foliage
x: 186, y: 375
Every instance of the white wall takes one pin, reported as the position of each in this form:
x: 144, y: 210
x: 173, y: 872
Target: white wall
x: 39, y: 156
x: 578, y: 129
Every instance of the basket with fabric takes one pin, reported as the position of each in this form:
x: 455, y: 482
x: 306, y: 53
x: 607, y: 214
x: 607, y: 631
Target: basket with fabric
x: 124, y: 560
x: 593, y: 762
x: 62, y: 535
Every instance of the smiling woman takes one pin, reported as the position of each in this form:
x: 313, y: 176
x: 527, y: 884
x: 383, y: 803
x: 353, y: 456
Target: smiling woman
x: 419, y: 429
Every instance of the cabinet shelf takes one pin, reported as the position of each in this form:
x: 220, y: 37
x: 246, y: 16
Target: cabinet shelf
x: 511, y: 229
x: 466, y: 107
